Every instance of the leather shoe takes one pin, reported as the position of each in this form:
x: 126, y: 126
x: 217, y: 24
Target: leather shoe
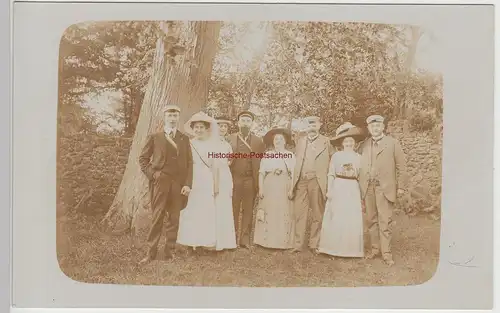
x: 372, y: 255
x: 389, y: 261
x: 146, y: 260
x: 167, y: 255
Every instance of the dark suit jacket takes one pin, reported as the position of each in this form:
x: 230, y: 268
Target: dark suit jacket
x: 156, y: 150
x: 257, y: 146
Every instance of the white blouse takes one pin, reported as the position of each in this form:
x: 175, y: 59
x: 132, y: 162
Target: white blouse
x: 284, y: 163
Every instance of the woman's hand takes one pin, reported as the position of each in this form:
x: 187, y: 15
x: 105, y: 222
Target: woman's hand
x: 185, y: 191
x: 363, y: 206
x: 290, y: 194
x: 328, y: 195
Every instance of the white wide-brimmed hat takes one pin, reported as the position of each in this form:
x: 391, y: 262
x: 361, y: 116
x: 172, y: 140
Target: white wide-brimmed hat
x: 347, y: 130
x: 197, y: 117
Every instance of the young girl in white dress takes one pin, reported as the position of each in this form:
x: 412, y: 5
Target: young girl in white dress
x: 342, y: 228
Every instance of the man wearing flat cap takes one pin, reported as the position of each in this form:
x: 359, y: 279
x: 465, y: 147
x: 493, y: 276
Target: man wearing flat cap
x: 245, y: 171
x: 167, y: 162
x: 382, y: 179
x: 309, y: 183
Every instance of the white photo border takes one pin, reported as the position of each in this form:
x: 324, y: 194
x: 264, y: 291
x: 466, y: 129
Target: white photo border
x: 468, y: 137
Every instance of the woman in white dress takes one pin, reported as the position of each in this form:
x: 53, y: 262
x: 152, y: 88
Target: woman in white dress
x: 226, y: 235
x: 274, y: 225
x: 342, y: 228
x: 197, y: 221
x: 200, y: 222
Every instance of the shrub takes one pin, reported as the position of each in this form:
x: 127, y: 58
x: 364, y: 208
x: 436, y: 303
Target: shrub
x: 422, y: 121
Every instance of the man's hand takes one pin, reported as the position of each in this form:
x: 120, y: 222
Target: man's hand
x: 290, y: 195
x: 261, y: 194
x: 400, y: 192
x: 185, y: 190
x: 156, y: 175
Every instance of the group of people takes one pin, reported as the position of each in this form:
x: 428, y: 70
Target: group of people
x: 330, y: 181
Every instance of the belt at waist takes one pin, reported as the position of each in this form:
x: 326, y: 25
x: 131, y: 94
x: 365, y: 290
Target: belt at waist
x: 307, y: 176
x: 346, y: 177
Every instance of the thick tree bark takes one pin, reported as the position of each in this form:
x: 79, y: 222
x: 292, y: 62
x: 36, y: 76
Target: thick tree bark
x: 180, y: 79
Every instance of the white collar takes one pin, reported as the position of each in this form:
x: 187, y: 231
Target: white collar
x: 170, y: 131
x: 313, y: 138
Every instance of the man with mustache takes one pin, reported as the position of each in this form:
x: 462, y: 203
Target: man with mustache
x: 309, y: 181
x: 382, y: 179
x: 245, y: 171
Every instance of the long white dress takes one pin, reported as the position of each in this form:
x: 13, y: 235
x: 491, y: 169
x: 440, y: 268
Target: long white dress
x: 197, y: 223
x: 342, y: 228
x: 274, y: 225
x: 226, y: 235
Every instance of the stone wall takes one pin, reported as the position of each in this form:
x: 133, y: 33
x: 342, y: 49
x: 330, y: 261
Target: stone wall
x: 424, y: 156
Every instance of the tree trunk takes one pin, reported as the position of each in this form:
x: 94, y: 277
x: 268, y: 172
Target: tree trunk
x: 180, y: 79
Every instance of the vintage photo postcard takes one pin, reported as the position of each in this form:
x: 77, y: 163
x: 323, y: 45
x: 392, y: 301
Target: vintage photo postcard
x: 179, y: 148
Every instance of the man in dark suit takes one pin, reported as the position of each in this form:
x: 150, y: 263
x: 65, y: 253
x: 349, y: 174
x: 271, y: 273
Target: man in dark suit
x: 245, y: 171
x: 167, y: 162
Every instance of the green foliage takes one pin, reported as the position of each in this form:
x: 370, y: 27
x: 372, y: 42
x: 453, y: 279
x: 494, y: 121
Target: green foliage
x: 100, y: 57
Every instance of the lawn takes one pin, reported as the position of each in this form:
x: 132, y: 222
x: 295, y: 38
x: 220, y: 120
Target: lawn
x: 85, y: 254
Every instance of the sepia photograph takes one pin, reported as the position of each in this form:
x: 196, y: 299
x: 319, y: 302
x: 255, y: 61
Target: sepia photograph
x: 249, y: 154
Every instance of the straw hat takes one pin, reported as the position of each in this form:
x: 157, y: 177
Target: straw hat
x: 269, y: 136
x: 347, y: 130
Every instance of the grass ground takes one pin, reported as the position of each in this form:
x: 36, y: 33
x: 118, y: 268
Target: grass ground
x: 87, y: 255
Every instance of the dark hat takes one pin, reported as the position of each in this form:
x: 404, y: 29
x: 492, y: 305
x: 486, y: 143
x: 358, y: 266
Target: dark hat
x: 269, y: 136
x: 223, y: 119
x: 347, y: 130
x: 246, y: 113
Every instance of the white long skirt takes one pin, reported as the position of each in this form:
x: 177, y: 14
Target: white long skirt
x: 197, y: 223
x: 342, y: 228
x: 225, y: 233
